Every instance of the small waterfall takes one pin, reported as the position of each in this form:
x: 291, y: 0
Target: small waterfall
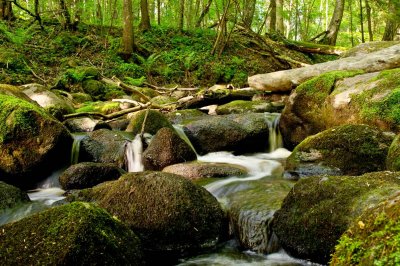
x: 133, y: 154
x: 182, y: 135
x: 275, y: 137
x: 76, y: 145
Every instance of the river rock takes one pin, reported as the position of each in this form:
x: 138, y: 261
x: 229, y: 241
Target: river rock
x: 54, y: 104
x: 393, y: 158
x: 154, y: 120
x: 87, y: 174
x: 332, y: 99
x: 11, y: 196
x: 171, y: 215
x: 251, y: 211
x: 319, y: 209
x: 166, y: 148
x: 15, y: 91
x: 32, y: 143
x: 85, y: 124
x: 184, y: 116
x: 242, y: 106
x: 372, y: 239
x: 197, y: 170
x: 342, y: 150
x: 73, y: 234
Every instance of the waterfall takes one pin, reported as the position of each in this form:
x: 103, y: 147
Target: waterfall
x: 182, y: 135
x: 275, y: 137
x: 133, y: 154
x: 76, y: 145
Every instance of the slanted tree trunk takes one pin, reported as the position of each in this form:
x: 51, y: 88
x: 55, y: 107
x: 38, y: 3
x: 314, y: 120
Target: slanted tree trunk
x: 145, y: 19
x: 6, y: 12
x: 127, y: 34
x: 205, y: 11
x: 334, y: 25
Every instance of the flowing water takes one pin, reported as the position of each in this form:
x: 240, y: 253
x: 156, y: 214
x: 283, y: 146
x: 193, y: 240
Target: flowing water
x: 76, y: 145
x: 133, y: 154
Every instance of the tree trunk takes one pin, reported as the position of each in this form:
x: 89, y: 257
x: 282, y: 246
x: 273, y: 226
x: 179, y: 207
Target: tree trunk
x: 127, y: 35
x: 279, y: 17
x: 334, y: 25
x: 362, y: 22
x: 249, y: 8
x: 203, y: 13
x: 272, y: 19
x: 65, y: 15
x: 368, y: 8
x: 391, y: 27
x: 158, y: 12
x: 181, y: 14
x: 145, y: 19
x: 6, y: 12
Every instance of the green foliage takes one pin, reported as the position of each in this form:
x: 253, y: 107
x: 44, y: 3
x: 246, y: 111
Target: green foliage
x: 19, y: 36
x: 135, y: 82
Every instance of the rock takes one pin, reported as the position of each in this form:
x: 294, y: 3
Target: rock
x: 343, y: 150
x: 73, y: 234
x: 154, y: 121
x: 120, y: 124
x: 319, y: 209
x: 84, y: 124
x: 81, y: 97
x: 241, y: 106
x: 94, y: 88
x: 163, y: 100
x: 287, y: 80
x: 15, y: 91
x: 87, y: 174
x: 54, y: 104
x: 364, y: 49
x: 184, y: 116
x: 11, y: 196
x: 393, y: 158
x: 251, y: 211
x: 372, y: 239
x: 76, y: 75
x: 166, y: 148
x: 104, y: 146
x: 197, y: 170
x: 171, y: 215
x: 32, y: 143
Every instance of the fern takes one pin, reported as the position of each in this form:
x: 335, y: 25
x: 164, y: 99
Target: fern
x: 19, y: 37
x: 135, y: 82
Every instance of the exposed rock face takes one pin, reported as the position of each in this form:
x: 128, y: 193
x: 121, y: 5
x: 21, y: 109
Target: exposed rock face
x: 319, y: 209
x: 10, y: 196
x: 331, y: 100
x: 171, y: 215
x: 32, y: 143
x: 166, y: 148
x: 87, y: 174
x: 73, y: 234
x: 342, y: 150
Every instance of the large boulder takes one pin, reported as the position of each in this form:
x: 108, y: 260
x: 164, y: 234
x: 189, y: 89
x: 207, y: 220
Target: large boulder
x: 171, y: 215
x: 166, y: 148
x: 11, y: 196
x: 332, y: 99
x: 242, y: 106
x: 73, y: 234
x: 103, y: 146
x: 88, y: 174
x: 342, y: 150
x: 32, y: 143
x: 153, y: 121
x: 319, y: 209
x: 373, y: 238
x: 85, y: 124
x: 15, y: 91
x: 393, y: 158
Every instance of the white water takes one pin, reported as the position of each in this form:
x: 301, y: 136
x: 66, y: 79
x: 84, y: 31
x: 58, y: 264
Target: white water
x: 133, y: 154
x: 275, y: 138
x: 48, y: 191
x: 182, y: 135
x: 76, y: 145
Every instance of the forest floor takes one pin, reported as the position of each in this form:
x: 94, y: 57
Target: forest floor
x: 167, y: 56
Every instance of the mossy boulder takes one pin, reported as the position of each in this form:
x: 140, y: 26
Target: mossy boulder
x: 15, y: 91
x: 73, y: 234
x: 85, y: 124
x: 319, y: 209
x: 347, y: 149
x: 94, y: 88
x: 149, y: 92
x: 103, y: 146
x: 393, y: 158
x: 242, y: 106
x: 76, y: 76
x: 317, y: 105
x: 32, y: 143
x: 81, y: 97
x: 373, y: 238
x: 185, y: 115
x: 11, y: 196
x: 197, y: 170
x: 87, y: 174
x: 166, y: 148
x: 171, y: 215
x: 154, y: 120
x: 163, y: 100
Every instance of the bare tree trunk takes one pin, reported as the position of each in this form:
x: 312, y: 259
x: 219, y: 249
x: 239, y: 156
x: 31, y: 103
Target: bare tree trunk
x: 203, y: 13
x: 6, y: 12
x: 351, y: 24
x: 65, y: 14
x: 279, y: 17
x: 334, y: 25
x: 145, y: 19
x: 391, y: 27
x: 272, y: 18
x: 249, y: 8
x: 127, y: 35
x: 181, y: 14
x: 158, y: 12
x: 368, y: 8
x: 362, y: 22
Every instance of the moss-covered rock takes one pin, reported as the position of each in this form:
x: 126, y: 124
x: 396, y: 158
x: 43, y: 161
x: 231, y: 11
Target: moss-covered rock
x: 32, y: 143
x: 373, y: 238
x: 166, y: 148
x: 87, y: 174
x: 94, y: 88
x: 10, y: 196
x: 347, y: 149
x: 99, y: 107
x: 393, y: 158
x: 163, y: 100
x: 242, y: 106
x: 154, y: 121
x: 183, y: 116
x: 81, y: 97
x: 73, y: 234
x: 15, y: 91
x: 149, y: 92
x: 197, y: 170
x: 319, y: 209
x: 171, y: 215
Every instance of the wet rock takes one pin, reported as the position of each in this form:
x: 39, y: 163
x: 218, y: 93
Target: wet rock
x: 87, y: 174
x: 166, y: 148
x: 73, y: 234
x: 393, y: 158
x: 319, y: 209
x: 154, y: 121
x: 184, y: 116
x: 241, y: 106
x: 197, y: 170
x: 348, y: 150
x: 172, y: 216
x: 32, y: 143
x: 84, y: 124
x: 11, y: 196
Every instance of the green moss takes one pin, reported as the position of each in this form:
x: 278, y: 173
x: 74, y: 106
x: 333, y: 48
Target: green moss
x: 9, y: 59
x: 393, y: 158
x: 163, y: 100
x: 10, y: 196
x: 154, y: 121
x: 100, y: 107
x: 78, y: 233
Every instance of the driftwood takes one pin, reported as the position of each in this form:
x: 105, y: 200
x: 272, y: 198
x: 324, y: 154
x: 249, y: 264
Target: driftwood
x: 287, y: 80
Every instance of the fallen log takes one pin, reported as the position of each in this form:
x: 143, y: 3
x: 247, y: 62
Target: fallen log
x: 287, y: 80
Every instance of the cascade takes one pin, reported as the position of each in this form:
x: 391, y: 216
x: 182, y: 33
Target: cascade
x: 76, y: 147
x: 182, y: 135
x: 275, y: 137
x: 133, y: 154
